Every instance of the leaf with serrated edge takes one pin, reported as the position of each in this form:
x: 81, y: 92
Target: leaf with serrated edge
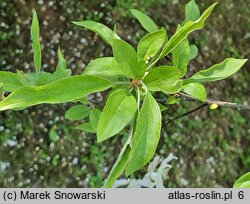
x: 117, y: 113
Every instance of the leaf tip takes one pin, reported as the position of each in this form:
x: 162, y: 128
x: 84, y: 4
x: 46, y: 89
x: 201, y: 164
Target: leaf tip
x: 34, y: 12
x: 99, y: 137
x: 132, y: 10
x: 129, y: 171
x: 245, y: 60
x: 213, y: 5
x: 75, y: 22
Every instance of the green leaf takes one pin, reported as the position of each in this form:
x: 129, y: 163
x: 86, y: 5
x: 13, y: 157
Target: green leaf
x: 61, y: 65
x: 105, y: 67
x: 53, y: 136
x: 28, y: 79
x: 146, y: 136
x: 55, y: 160
x: 45, y: 78
x: 162, y: 107
x: 115, y: 28
x: 86, y: 127
x: 243, y: 181
x: 42, y: 78
x: 35, y: 41
x: 83, y: 100
x: 126, y: 57
x: 94, y: 117
x: 105, y: 33
x: 147, y: 23
x: 181, y: 56
x: 173, y: 100
x: 150, y: 45
x: 58, y: 74
x: 119, y: 166
x: 60, y: 91
x: 61, y: 68
x: 42, y: 154
x: 77, y: 112
x: 141, y: 69
x: 196, y: 90
x: 193, y: 52
x: 176, y: 87
x: 183, y: 32
x: 122, y: 160
x: 163, y: 78
x: 192, y: 11
x: 219, y: 71
x: 11, y: 81
x: 117, y: 113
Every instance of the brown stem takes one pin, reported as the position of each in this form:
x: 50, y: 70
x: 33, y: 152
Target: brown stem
x: 219, y: 103
x: 208, y: 101
x: 187, y: 113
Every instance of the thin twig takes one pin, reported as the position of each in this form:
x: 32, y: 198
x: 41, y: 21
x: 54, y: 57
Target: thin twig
x: 138, y: 98
x: 208, y: 101
x: 187, y: 113
x: 236, y: 106
x: 187, y: 97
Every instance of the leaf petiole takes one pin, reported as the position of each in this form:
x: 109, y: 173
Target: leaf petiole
x: 153, y: 63
x: 138, y: 98
x: 144, y: 87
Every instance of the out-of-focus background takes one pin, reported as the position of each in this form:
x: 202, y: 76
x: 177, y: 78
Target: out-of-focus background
x: 213, y: 147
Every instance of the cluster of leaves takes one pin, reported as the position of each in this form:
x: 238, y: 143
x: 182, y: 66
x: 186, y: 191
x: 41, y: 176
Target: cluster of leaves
x: 13, y: 81
x: 133, y: 76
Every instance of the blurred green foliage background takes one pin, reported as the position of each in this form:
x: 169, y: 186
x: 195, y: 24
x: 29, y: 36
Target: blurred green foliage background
x: 39, y: 148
